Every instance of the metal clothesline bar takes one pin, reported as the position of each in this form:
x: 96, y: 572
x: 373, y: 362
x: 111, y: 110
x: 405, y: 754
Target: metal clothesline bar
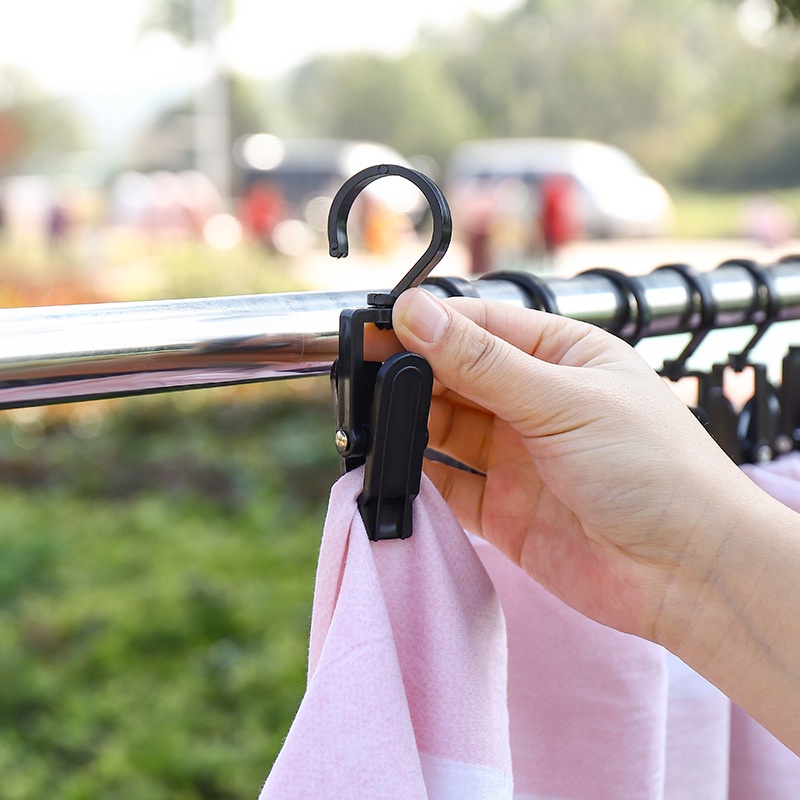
x: 67, y: 353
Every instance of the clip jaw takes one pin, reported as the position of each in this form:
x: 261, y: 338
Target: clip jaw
x: 382, y: 408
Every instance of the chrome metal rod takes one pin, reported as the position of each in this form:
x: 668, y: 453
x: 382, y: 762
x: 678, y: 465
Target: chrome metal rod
x: 67, y: 353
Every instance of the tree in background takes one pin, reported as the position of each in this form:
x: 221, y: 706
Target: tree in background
x: 409, y: 103
x: 199, y: 23
x: 756, y: 148
x: 788, y: 9
x: 35, y: 129
x: 669, y: 82
x: 662, y: 81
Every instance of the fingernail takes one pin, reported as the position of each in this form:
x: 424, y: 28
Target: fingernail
x: 425, y: 317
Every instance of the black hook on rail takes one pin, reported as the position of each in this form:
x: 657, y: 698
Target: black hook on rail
x: 758, y: 423
x: 440, y: 217
x: 382, y: 408
x: 537, y: 293
x: 627, y: 286
x: 765, y: 288
x: 700, y: 291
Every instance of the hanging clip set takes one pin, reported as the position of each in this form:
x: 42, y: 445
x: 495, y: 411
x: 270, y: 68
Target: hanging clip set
x: 382, y: 408
x: 753, y: 433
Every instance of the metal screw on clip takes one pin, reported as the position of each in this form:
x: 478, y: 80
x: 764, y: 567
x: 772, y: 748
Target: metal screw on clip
x: 342, y: 441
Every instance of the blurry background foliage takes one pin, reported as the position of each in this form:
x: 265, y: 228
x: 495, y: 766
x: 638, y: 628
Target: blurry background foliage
x: 678, y: 85
x: 157, y: 554
x: 156, y: 574
x: 34, y: 128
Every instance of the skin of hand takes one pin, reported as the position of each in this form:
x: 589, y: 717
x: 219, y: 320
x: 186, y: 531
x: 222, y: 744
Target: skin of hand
x: 585, y: 451
x: 602, y: 485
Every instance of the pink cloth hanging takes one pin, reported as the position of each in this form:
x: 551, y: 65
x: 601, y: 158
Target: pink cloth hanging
x: 780, y: 478
x: 597, y: 714
x: 406, y: 693
x: 587, y: 704
x: 762, y: 767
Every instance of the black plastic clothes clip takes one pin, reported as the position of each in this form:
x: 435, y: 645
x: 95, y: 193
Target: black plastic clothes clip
x: 759, y: 420
x: 382, y: 408
x: 700, y: 292
x: 789, y: 428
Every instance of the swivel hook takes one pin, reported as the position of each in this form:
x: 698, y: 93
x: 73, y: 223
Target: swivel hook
x: 382, y: 409
x: 440, y: 215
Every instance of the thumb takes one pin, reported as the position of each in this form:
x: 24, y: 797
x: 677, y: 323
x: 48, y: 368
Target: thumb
x: 465, y: 356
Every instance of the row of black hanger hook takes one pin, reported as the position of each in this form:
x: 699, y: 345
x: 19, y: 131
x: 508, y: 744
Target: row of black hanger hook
x: 382, y: 407
x: 768, y: 424
x: 752, y: 433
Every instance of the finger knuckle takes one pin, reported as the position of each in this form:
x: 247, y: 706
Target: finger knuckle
x: 481, y: 356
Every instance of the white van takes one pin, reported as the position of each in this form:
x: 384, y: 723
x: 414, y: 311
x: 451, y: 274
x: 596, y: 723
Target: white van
x: 616, y: 198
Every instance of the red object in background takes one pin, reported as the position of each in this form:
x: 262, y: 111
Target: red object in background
x: 12, y: 139
x: 559, y: 212
x: 478, y: 216
x: 262, y: 209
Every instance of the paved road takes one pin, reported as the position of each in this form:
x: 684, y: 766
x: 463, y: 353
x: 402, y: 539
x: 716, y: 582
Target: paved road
x: 639, y: 256
x: 319, y: 271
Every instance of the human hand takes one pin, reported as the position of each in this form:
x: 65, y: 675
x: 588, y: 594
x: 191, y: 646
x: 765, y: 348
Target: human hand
x: 599, y: 482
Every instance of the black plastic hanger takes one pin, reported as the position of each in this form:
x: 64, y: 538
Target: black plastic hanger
x: 627, y: 287
x: 789, y: 427
x: 538, y: 294
x: 718, y: 414
x: 675, y: 369
x: 759, y: 420
x: 789, y: 393
x: 382, y: 408
x: 712, y: 409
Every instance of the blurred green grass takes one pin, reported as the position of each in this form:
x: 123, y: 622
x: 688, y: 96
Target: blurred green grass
x: 720, y: 215
x: 157, y: 565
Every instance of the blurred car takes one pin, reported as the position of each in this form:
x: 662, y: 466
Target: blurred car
x: 302, y: 175
x: 614, y: 196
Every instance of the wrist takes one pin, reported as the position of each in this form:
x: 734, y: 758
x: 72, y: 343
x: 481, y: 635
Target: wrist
x: 732, y: 607
x: 712, y: 572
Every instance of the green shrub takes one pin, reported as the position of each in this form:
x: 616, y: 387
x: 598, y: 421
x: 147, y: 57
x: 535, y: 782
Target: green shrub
x: 157, y: 562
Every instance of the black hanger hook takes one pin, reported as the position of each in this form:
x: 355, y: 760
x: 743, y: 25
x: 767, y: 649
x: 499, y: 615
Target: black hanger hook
x: 674, y: 369
x: 440, y: 213
x: 766, y: 290
x: 628, y: 286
